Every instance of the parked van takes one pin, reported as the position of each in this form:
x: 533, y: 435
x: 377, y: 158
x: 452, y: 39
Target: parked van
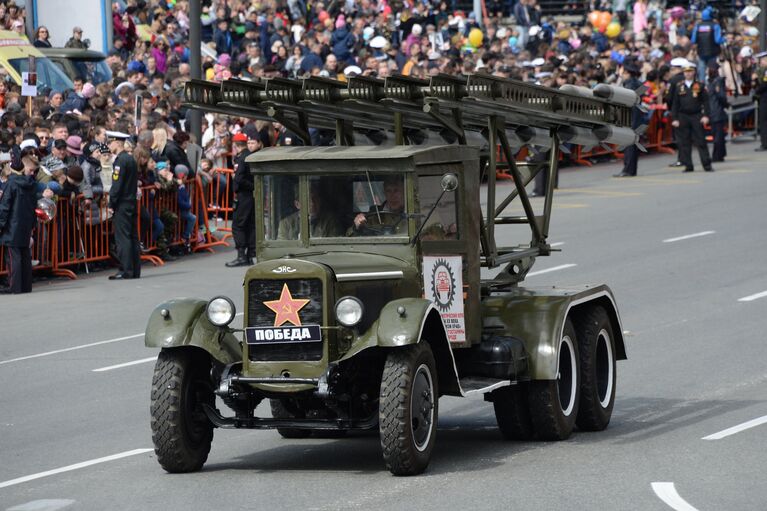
x: 89, y: 65
x: 15, y: 50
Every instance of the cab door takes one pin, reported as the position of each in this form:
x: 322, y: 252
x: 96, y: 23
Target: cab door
x: 449, y: 253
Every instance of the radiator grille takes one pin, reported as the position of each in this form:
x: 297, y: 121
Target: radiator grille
x: 259, y: 315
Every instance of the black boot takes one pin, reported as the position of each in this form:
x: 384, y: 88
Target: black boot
x: 241, y: 260
x: 251, y: 254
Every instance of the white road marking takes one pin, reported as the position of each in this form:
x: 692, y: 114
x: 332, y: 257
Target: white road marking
x: 667, y: 493
x: 547, y: 270
x: 70, y: 468
x: 688, y: 236
x: 737, y: 429
x: 82, y: 346
x: 126, y: 364
x: 751, y: 298
x: 43, y: 505
x: 73, y: 348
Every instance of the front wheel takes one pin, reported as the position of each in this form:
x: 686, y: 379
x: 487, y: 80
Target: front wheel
x: 181, y: 431
x: 597, y: 350
x: 554, y: 403
x: 408, y: 409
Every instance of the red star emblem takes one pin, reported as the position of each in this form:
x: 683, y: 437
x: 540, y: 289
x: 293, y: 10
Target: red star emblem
x: 286, y: 308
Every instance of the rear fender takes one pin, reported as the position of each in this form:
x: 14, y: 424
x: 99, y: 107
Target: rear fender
x: 187, y: 325
x: 420, y: 321
x: 538, y: 317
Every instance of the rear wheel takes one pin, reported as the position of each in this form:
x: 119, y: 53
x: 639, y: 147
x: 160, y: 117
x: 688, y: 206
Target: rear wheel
x: 181, y: 431
x: 597, y: 353
x: 408, y: 409
x: 280, y: 411
x: 513, y: 413
x: 554, y: 403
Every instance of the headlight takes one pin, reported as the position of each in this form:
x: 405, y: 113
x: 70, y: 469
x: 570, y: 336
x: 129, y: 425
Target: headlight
x: 349, y: 311
x: 220, y: 311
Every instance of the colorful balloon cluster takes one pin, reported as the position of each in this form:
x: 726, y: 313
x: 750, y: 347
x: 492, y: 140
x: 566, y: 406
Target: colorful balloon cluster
x: 603, y: 22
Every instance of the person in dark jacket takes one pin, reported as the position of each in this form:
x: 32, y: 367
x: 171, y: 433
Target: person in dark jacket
x: 184, y: 206
x: 631, y: 153
x: 223, y: 37
x: 175, y: 152
x: 17, y: 219
x: 243, y: 221
x: 717, y: 97
x: 760, y: 91
x: 707, y: 36
x: 689, y: 113
x: 122, y: 204
x: 342, y: 41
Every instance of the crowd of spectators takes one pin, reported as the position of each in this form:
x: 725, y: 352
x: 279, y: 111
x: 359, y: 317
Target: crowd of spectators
x: 65, y: 135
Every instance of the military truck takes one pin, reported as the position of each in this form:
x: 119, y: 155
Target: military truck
x: 368, y: 301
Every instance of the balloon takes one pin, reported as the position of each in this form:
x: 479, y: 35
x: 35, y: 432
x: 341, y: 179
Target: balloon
x: 613, y: 29
x: 322, y: 16
x: 45, y: 210
x: 594, y: 18
x: 604, y: 19
x: 475, y: 37
x: 513, y: 41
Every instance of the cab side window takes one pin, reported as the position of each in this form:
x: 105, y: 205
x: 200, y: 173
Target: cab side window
x: 443, y: 223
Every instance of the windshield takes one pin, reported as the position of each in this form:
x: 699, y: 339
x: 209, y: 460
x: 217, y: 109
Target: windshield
x: 358, y: 205
x: 94, y: 71
x: 48, y: 75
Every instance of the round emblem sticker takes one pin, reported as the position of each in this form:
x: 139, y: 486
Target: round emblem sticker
x: 443, y: 285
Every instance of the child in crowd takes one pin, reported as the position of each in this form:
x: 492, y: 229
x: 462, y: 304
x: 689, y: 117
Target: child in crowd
x: 184, y: 206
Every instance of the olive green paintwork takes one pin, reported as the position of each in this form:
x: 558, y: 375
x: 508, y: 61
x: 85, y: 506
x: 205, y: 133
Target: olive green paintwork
x: 537, y: 316
x: 388, y: 328
x: 410, y: 161
x: 188, y: 325
x: 392, y: 329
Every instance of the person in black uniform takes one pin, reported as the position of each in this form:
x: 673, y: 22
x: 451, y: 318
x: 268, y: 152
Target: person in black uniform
x: 760, y: 90
x: 690, y: 112
x: 631, y: 153
x: 677, y: 67
x: 243, y: 220
x: 122, y: 204
x: 17, y: 219
x: 717, y: 97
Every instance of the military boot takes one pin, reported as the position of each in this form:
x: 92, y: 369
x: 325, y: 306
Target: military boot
x: 251, y: 254
x: 241, y: 260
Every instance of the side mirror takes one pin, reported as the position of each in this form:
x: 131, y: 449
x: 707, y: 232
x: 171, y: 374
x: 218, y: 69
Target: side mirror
x: 449, y: 182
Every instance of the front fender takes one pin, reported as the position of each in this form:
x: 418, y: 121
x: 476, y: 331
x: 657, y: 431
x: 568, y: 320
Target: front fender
x: 187, y: 325
x: 420, y: 322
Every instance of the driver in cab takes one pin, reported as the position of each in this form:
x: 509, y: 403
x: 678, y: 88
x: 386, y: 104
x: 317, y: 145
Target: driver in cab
x: 388, y: 218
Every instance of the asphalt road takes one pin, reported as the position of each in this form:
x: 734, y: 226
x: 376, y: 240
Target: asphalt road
x: 684, y: 254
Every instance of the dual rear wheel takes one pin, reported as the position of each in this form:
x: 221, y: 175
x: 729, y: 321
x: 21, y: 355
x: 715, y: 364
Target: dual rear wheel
x: 583, y: 392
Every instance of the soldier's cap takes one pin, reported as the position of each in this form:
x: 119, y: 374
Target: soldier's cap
x: 689, y: 66
x: 679, y: 62
x: 240, y: 137
x: 117, y: 135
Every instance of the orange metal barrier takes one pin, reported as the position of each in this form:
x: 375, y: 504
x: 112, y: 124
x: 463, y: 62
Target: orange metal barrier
x: 219, y: 196
x: 79, y: 235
